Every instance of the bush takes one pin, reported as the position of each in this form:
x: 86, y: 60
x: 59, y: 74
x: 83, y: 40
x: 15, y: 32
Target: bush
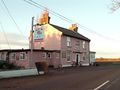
x: 3, y: 64
x: 6, y: 65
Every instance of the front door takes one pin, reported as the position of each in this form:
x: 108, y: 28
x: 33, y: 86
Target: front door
x: 77, y: 59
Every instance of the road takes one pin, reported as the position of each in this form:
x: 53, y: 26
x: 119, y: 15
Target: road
x: 78, y: 78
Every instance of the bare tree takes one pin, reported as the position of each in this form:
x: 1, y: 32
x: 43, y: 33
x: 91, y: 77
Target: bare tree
x: 115, y: 5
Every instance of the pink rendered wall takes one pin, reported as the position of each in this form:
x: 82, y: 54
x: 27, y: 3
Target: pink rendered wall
x: 37, y: 56
x: 19, y: 62
x: 52, y: 39
x: 52, y: 60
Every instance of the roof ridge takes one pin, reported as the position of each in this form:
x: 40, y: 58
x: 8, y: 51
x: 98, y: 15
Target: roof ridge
x: 68, y: 32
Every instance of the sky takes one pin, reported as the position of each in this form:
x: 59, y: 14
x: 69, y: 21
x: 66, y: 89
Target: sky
x: 102, y: 26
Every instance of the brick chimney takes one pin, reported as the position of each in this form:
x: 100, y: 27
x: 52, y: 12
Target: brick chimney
x: 44, y: 19
x: 74, y: 27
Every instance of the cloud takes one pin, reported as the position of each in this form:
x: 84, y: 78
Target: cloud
x: 13, y: 40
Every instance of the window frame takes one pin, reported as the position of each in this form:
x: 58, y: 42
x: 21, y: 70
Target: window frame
x: 13, y: 55
x: 44, y: 55
x: 68, y: 56
x: 2, y: 56
x: 77, y: 43
x: 23, y: 57
x: 64, y: 54
x: 57, y: 55
x: 49, y: 55
x: 68, y: 41
x: 83, y: 44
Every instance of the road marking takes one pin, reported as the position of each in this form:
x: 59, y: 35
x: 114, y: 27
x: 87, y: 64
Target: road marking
x: 101, y: 85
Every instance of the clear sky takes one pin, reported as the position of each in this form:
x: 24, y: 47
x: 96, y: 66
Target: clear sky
x: 93, y: 14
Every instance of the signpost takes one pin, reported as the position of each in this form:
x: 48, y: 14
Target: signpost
x: 38, y: 33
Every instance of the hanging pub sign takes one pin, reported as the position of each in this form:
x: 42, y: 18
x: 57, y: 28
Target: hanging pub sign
x: 38, y: 33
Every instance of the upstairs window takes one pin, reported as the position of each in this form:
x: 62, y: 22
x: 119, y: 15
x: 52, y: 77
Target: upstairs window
x: 22, y: 55
x: 83, y: 44
x: 68, y: 55
x: 68, y: 41
x: 77, y: 43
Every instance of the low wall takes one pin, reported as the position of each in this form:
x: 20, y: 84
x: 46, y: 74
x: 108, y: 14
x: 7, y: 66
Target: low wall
x: 18, y: 73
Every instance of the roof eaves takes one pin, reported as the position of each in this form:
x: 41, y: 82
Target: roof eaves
x: 70, y: 33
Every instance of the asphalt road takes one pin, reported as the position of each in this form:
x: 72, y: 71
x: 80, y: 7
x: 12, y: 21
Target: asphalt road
x: 78, y: 78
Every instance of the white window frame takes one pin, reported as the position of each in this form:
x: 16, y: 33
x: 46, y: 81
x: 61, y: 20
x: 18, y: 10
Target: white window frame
x: 57, y: 55
x: 23, y: 57
x: 64, y: 54
x: 83, y: 44
x: 49, y: 54
x: 2, y: 56
x: 13, y: 55
x: 44, y: 55
x: 68, y: 41
x: 68, y: 56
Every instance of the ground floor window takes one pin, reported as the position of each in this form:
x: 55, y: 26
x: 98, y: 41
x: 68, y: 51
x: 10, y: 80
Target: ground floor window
x: 22, y: 55
x: 63, y: 54
x: 44, y: 55
x: 13, y: 56
x: 84, y: 56
x: 68, y: 55
x: 2, y: 56
x: 57, y: 55
x: 49, y: 55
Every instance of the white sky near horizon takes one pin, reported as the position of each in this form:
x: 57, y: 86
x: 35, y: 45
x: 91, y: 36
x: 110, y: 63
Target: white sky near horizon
x: 93, y: 14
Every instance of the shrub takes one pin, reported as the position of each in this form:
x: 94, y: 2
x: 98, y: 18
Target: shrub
x: 7, y: 65
x: 3, y: 64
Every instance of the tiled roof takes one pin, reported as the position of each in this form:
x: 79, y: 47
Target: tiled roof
x: 70, y: 33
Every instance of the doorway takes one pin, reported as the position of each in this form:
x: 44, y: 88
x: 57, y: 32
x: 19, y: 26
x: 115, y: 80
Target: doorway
x: 77, y: 59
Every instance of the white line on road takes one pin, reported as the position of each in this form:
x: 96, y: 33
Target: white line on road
x: 101, y: 85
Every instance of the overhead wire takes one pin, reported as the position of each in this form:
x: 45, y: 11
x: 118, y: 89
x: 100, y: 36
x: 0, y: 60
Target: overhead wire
x: 10, y: 15
x: 51, y: 11
x: 2, y: 30
x: 68, y: 20
x: 5, y: 35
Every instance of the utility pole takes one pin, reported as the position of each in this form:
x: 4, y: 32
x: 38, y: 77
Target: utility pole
x: 32, y: 44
